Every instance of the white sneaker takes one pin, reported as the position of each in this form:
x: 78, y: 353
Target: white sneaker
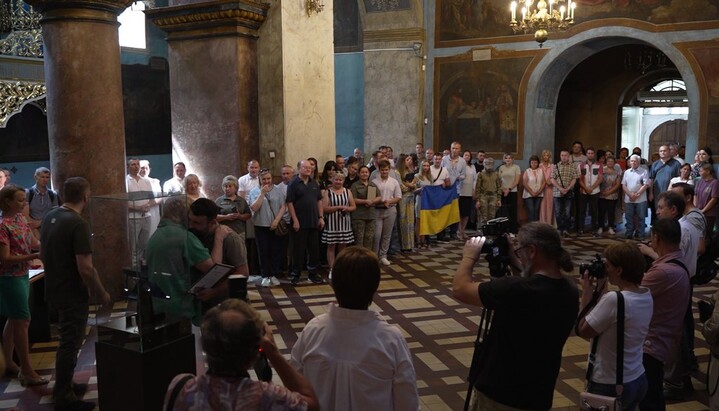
x: 384, y: 261
x: 254, y: 279
x: 610, y: 231
x: 599, y: 231
x: 266, y: 282
x: 274, y: 280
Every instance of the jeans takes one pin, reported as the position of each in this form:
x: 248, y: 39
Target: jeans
x: 584, y: 201
x: 607, y: 212
x: 654, y: 371
x: 306, y: 240
x: 139, y: 234
x: 563, y: 213
x: 638, y: 210
x: 71, y: 323
x: 533, y: 204
x: 269, y: 249
x: 634, y: 391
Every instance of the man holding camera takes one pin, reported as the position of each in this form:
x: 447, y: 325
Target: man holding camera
x: 512, y: 356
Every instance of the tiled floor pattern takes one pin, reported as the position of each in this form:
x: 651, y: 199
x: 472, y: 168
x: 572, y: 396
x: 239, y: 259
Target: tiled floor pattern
x: 415, y: 296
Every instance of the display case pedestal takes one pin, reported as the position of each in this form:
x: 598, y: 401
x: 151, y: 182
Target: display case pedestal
x: 134, y: 366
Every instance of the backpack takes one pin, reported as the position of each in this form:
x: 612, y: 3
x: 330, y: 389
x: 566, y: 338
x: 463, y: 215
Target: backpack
x: 31, y: 193
x: 707, y: 267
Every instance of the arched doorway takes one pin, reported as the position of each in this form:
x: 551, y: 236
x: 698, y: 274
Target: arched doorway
x: 668, y: 131
x: 545, y: 83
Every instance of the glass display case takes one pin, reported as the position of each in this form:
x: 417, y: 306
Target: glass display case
x: 139, y: 245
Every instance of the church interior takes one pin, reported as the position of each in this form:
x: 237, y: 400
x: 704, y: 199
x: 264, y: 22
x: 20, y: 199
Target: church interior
x: 86, y: 84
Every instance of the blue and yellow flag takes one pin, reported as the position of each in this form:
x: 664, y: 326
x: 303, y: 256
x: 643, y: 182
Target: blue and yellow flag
x: 439, y: 209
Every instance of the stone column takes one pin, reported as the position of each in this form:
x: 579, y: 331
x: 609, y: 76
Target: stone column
x: 85, y: 114
x: 297, y: 103
x: 213, y: 85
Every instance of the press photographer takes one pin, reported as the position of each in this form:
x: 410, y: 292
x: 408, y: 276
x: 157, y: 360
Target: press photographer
x: 623, y: 266
x: 533, y: 316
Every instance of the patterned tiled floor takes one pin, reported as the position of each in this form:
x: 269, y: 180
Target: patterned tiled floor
x: 415, y: 296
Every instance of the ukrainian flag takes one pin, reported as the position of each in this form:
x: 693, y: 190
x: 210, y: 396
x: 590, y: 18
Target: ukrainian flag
x: 439, y: 208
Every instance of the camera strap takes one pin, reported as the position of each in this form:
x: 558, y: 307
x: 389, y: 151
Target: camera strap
x: 620, y: 347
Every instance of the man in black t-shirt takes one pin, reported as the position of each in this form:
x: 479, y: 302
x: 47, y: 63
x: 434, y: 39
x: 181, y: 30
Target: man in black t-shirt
x: 533, y: 316
x: 304, y: 202
x: 69, y: 277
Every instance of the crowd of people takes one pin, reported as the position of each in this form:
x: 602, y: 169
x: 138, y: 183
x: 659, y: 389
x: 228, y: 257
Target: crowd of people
x: 353, y: 216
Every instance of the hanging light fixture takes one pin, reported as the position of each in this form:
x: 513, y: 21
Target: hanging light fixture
x: 542, y: 17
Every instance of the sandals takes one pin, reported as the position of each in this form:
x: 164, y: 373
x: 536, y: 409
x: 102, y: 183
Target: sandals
x: 29, y: 382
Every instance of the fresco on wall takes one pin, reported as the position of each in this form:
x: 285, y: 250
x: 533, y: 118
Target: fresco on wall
x: 478, y: 103
x: 347, y: 31
x: 708, y: 60
x: 475, y: 19
x: 375, y: 6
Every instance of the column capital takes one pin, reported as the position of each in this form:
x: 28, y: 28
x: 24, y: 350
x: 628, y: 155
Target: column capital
x: 210, y: 19
x: 95, y: 10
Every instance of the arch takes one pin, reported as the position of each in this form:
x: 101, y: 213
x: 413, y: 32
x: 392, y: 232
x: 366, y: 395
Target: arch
x: 548, y: 76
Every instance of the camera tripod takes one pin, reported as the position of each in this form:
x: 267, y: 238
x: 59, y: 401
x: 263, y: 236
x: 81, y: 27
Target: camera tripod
x: 482, y: 331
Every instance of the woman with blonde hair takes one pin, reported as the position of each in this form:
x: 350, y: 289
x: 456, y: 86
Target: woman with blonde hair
x: 192, y: 185
x: 408, y: 183
x: 546, y: 209
x: 423, y: 179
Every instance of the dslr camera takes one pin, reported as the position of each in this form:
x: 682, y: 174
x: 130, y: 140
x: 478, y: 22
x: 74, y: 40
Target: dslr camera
x: 595, y: 268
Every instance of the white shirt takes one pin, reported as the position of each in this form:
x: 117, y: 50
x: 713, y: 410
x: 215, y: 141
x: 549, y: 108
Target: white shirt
x: 388, y: 188
x: 438, y: 175
x: 638, y: 309
x: 141, y: 184
x: 246, y: 183
x: 173, y: 185
x: 356, y: 362
x: 634, y: 180
x: 689, y: 245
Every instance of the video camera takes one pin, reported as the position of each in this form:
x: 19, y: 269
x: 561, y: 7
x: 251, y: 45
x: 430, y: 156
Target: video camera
x: 496, y: 246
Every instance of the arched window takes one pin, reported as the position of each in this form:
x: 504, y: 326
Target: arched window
x: 669, y: 85
x: 132, y: 26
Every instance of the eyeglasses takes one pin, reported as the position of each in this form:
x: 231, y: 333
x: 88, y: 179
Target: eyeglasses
x: 516, y: 250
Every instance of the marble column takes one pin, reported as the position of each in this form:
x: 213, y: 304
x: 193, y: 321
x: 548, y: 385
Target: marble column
x: 85, y: 113
x: 213, y: 85
x: 297, y: 102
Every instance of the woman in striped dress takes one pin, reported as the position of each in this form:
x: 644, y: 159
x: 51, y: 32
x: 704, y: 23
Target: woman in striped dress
x: 338, y: 203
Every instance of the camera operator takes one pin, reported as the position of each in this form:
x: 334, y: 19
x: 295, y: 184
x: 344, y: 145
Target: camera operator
x: 532, y: 319
x: 624, y: 268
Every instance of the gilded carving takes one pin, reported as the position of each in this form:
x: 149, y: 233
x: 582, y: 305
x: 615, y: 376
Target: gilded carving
x: 14, y: 94
x: 24, y: 43
x: 23, y: 24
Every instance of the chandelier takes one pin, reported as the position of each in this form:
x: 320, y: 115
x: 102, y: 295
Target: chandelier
x: 541, y: 19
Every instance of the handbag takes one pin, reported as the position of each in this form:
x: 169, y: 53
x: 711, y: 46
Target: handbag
x: 282, y: 228
x: 596, y: 402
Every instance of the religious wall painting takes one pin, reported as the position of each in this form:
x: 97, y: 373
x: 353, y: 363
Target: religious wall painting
x: 472, y: 20
x: 377, y: 6
x: 478, y: 103
x: 707, y: 58
x: 347, y: 33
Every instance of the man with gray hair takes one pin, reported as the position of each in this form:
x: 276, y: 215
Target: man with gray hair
x: 40, y: 199
x: 635, y: 184
x: 139, y: 190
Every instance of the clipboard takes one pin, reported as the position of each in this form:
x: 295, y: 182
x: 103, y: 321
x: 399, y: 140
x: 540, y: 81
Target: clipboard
x: 217, y: 273
x: 371, y: 192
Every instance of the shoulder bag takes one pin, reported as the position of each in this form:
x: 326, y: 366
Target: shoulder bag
x: 596, y: 402
x: 282, y: 228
